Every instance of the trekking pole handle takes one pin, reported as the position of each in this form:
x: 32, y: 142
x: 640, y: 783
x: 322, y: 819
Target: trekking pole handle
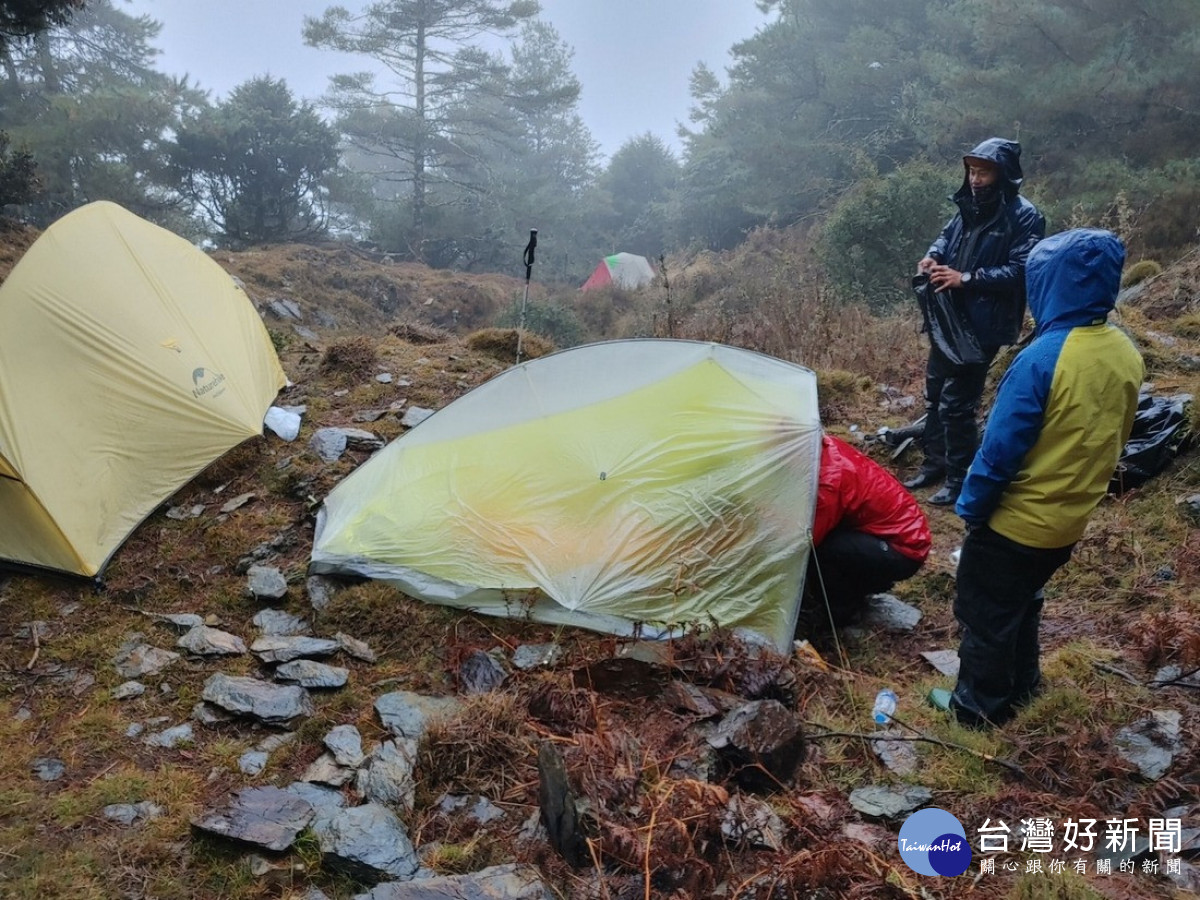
x: 529, y: 251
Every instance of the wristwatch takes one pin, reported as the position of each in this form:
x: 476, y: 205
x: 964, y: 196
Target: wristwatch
x: 966, y: 277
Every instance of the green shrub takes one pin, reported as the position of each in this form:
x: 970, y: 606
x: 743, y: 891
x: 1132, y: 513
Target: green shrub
x: 1140, y: 271
x: 550, y: 320
x: 880, y: 229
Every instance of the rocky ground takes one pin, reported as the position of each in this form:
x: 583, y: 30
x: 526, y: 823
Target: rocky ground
x: 215, y: 723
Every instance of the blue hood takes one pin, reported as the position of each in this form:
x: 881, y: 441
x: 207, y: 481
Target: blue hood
x: 1005, y: 154
x: 1072, y: 278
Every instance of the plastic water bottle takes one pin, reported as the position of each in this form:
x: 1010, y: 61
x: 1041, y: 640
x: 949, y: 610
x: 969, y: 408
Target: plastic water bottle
x: 885, y: 706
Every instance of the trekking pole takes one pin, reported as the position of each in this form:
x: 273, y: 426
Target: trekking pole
x: 528, y: 260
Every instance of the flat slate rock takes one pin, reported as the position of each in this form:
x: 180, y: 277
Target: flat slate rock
x: 890, y: 613
x: 945, y: 661
x: 1151, y: 742
x: 310, y: 674
x: 406, y: 714
x: 273, y: 703
x: 367, y: 842
x: 508, y: 882
x: 285, y: 649
x: 885, y: 802
x: 267, y: 817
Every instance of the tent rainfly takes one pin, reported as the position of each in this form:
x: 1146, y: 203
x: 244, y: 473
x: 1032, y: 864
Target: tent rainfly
x: 129, y: 361
x: 623, y: 270
x: 631, y: 487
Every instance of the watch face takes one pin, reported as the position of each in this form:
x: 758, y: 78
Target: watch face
x: 966, y: 277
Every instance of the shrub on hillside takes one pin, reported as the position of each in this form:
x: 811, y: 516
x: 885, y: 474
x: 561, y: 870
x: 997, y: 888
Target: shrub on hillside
x: 879, y: 229
x: 1140, y: 271
x: 355, y: 357
x: 550, y: 320
x: 501, y: 344
x: 419, y: 333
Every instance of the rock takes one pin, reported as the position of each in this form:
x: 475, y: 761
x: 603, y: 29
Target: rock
x: 511, y: 881
x: 750, y: 821
x: 182, y: 623
x: 481, y: 673
x: 560, y: 808
x: 311, y: 674
x: 307, y: 333
x: 890, y: 613
x: 237, y: 502
x: 171, y: 737
x: 48, y: 768
x: 134, y: 729
x: 358, y: 439
x: 271, y: 703
x: 945, y: 661
x: 368, y: 415
x: 366, y: 842
x: 285, y: 649
x: 345, y: 743
x: 205, y: 641
x: 319, y: 795
x: 899, y: 756
x: 1174, y: 676
x: 387, y: 775
x: 265, y: 816
x: 128, y: 813
x: 266, y: 582
x: 384, y: 377
x: 1190, y: 507
x: 207, y: 714
x: 356, y: 648
x: 1151, y: 743
x: 884, y: 802
x: 761, y: 743
x: 406, y: 714
x: 279, y: 623
x: 142, y: 661
x: 252, y: 762
x: 273, y: 742
x: 870, y: 835
x: 328, y: 443
x: 128, y: 690
x: 325, y: 770
x: 531, y: 656
x: 285, y: 309
x: 414, y: 416
x: 182, y: 513
x: 688, y: 697
x: 320, y: 592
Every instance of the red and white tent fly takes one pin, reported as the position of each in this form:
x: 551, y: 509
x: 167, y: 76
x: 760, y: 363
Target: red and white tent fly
x: 623, y: 270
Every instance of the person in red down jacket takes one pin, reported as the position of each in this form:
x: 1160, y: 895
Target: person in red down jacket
x: 868, y: 531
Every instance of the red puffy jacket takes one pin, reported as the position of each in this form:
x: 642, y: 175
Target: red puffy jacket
x: 856, y: 492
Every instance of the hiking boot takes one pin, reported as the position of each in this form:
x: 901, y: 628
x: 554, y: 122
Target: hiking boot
x: 925, y: 478
x: 947, y: 496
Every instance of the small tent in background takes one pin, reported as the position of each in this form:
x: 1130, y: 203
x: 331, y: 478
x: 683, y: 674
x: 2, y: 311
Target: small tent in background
x: 624, y: 486
x: 623, y: 270
x: 129, y: 361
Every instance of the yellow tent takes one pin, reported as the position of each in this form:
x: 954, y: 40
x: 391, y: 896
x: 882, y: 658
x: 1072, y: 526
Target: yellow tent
x: 628, y: 486
x: 129, y: 361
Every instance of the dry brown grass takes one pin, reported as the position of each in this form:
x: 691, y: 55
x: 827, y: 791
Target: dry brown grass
x: 501, y: 344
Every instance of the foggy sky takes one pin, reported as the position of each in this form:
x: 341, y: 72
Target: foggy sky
x: 633, y: 57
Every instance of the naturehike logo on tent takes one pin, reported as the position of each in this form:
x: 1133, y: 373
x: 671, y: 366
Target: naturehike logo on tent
x: 208, y: 386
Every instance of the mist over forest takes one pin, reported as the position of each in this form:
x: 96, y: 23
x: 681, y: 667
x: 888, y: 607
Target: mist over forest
x: 843, y: 117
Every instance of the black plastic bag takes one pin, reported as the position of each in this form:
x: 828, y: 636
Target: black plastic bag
x: 1160, y: 432
x: 947, y: 323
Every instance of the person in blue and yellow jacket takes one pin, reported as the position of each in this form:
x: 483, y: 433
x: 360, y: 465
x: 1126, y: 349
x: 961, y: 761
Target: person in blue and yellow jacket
x: 1062, y: 414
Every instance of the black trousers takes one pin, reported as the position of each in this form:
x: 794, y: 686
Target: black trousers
x: 999, y: 610
x: 952, y: 394
x: 851, y: 565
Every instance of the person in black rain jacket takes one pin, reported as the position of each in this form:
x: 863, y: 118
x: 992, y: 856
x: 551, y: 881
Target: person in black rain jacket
x: 977, y: 269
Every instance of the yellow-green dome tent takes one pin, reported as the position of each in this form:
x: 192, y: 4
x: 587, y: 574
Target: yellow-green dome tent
x: 129, y: 361
x: 628, y: 486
